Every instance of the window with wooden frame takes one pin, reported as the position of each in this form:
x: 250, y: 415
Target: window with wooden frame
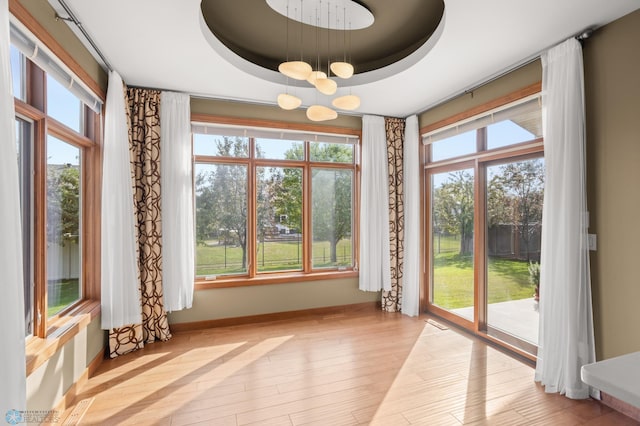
x: 274, y: 205
x: 484, y: 183
x: 57, y: 140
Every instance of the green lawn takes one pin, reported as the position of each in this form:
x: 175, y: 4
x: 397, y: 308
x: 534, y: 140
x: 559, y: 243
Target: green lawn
x: 453, y: 280
x: 213, y: 259
x: 60, y: 294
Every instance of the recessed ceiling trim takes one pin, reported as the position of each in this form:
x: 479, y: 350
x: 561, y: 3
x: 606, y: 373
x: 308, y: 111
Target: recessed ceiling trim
x: 361, y: 78
x: 332, y: 14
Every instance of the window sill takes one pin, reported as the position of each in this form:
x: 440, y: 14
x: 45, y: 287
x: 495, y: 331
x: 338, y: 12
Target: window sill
x: 202, y: 284
x: 39, y: 350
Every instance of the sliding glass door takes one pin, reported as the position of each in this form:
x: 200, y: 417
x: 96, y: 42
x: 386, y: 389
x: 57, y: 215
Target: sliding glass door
x: 514, y: 193
x: 452, y: 222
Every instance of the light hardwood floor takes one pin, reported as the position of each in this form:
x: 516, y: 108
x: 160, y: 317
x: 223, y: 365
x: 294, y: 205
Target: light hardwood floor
x: 355, y: 368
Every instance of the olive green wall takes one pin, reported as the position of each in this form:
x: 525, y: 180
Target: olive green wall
x: 42, y: 11
x: 266, y: 112
x: 516, y: 80
x: 612, y: 93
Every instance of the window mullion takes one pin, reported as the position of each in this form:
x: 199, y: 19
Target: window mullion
x: 307, y: 251
x: 252, y: 214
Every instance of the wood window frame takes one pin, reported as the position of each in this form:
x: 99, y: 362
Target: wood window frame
x: 478, y: 161
x: 50, y: 334
x: 308, y: 273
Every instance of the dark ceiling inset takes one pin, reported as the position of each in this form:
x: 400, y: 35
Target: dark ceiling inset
x: 257, y: 33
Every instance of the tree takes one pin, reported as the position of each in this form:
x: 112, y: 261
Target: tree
x: 453, y: 208
x: 63, y: 204
x: 331, y: 201
x: 522, y: 184
x: 221, y: 198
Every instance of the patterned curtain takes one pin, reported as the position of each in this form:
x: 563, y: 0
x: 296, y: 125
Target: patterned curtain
x: 392, y: 300
x: 143, y: 115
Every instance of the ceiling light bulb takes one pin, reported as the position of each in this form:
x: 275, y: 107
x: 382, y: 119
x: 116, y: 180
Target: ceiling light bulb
x: 326, y: 86
x: 316, y: 75
x: 342, y: 69
x: 320, y: 113
x: 298, y: 70
x: 288, y: 102
x: 348, y: 102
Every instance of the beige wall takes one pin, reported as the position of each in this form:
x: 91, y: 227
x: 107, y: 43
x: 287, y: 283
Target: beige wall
x: 48, y: 383
x: 612, y: 92
x: 265, y: 299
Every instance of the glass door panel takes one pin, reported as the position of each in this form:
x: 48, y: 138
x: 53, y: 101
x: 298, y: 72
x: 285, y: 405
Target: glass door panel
x: 514, y: 219
x: 452, y: 221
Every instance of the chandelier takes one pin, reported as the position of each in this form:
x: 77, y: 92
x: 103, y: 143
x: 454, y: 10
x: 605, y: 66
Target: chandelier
x: 337, y: 17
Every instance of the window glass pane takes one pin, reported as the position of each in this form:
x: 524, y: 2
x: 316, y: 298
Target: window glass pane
x: 18, y: 73
x: 514, y: 220
x: 452, y: 219
x: 278, y: 149
x: 220, y: 146
x: 63, y: 105
x: 279, y: 218
x: 454, y: 146
x: 509, y: 132
x: 331, y: 213
x: 23, y: 141
x: 331, y: 152
x: 63, y: 225
x: 221, y: 218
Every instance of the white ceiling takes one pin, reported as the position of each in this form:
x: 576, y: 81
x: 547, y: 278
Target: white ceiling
x: 159, y: 44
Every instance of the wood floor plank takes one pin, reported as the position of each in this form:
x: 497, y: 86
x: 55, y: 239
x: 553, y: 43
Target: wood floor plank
x: 349, y: 368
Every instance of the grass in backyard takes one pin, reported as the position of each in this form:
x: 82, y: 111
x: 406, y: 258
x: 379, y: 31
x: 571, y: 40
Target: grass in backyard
x: 453, y: 280
x: 60, y: 294
x: 214, y: 259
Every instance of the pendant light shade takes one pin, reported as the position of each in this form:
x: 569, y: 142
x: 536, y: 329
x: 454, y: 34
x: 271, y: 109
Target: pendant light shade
x: 326, y: 86
x: 315, y: 76
x: 342, y: 69
x: 320, y: 113
x: 288, y: 102
x: 348, y: 102
x: 298, y: 70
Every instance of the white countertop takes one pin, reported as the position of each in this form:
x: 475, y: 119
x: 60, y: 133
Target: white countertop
x: 619, y: 377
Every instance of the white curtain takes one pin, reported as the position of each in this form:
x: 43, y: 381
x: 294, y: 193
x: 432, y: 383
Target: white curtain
x: 566, y: 341
x: 13, y: 392
x: 411, y: 272
x: 375, y: 269
x: 177, y: 201
x: 120, y: 283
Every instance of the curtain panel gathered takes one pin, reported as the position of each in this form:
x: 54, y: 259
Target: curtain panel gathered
x: 375, y: 269
x: 566, y: 340
x: 394, y: 130
x: 13, y: 392
x: 143, y: 117
x: 411, y: 269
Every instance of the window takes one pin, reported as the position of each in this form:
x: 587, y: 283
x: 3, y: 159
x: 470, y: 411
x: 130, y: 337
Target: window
x: 271, y: 203
x: 18, y: 73
x: 63, y: 218
x: 55, y: 139
x: 24, y: 144
x: 485, y: 182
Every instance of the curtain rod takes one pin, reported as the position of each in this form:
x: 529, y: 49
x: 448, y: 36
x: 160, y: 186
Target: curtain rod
x: 581, y: 37
x: 72, y: 18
